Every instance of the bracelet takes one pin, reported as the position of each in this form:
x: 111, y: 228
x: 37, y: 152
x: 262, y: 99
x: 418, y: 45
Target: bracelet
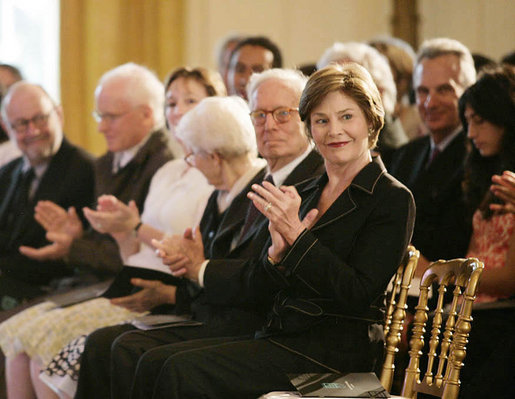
x: 271, y: 261
x: 137, y: 227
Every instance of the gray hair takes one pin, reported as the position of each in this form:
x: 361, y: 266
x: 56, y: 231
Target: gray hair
x: 289, y: 77
x: 372, y: 60
x: 221, y: 125
x: 142, y: 88
x: 437, y: 47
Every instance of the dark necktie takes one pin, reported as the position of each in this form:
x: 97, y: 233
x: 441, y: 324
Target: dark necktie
x: 252, y: 213
x: 434, y: 153
x: 18, y: 207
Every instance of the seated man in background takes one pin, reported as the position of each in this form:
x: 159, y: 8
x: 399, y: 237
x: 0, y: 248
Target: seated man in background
x: 129, y: 101
x: 224, y: 51
x: 432, y: 166
x: 50, y: 169
x: 252, y: 55
x: 283, y: 143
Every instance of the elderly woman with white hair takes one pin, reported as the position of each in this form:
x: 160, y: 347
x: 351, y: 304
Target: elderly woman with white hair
x: 392, y: 135
x: 220, y: 143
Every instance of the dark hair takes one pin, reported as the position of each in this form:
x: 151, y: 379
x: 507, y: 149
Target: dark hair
x: 15, y: 71
x: 509, y: 58
x: 211, y: 80
x: 261, y: 41
x: 482, y: 62
x: 492, y: 98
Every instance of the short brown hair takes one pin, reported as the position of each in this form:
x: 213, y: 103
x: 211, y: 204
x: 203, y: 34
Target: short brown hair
x: 354, y: 81
x: 211, y: 80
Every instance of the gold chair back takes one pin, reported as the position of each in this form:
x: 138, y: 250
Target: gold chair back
x: 446, y: 351
x: 396, y: 313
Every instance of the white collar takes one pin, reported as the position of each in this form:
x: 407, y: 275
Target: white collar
x: 122, y: 158
x: 281, y: 174
x: 446, y: 141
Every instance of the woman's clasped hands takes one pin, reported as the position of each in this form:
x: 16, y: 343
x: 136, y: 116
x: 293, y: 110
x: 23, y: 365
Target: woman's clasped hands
x: 281, y: 207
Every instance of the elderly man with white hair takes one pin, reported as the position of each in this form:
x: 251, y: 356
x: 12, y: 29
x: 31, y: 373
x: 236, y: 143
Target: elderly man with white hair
x: 282, y: 141
x: 432, y: 166
x: 392, y: 135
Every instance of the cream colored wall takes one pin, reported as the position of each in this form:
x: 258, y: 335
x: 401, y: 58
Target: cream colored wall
x: 304, y: 28
x: 484, y: 26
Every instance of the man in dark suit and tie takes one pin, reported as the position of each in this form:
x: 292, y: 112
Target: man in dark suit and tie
x: 274, y: 96
x: 432, y: 166
x: 50, y: 169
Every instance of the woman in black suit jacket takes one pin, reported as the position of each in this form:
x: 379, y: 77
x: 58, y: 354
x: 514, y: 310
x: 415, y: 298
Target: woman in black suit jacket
x: 335, y: 243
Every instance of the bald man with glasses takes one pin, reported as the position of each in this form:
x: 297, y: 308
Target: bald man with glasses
x: 50, y: 169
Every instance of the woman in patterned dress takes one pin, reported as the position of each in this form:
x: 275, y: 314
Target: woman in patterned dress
x: 487, y: 110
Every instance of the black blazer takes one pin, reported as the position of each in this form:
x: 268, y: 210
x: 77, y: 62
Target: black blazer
x: 327, y: 294
x: 332, y: 280
x: 442, y: 229
x: 68, y: 181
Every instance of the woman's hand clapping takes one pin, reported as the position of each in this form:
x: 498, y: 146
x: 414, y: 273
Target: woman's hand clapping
x: 281, y: 206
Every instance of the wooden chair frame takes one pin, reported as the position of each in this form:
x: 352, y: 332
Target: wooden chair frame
x: 464, y: 274
x: 396, y: 313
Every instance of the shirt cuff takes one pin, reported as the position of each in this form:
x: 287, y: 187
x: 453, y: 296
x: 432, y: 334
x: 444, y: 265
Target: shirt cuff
x: 201, y: 273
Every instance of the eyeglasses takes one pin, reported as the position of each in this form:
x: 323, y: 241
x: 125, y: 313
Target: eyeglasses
x: 190, y: 158
x: 280, y: 115
x: 40, y: 121
x: 108, y: 117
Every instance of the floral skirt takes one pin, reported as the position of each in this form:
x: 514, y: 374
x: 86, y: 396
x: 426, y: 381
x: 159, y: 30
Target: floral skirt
x: 47, y: 332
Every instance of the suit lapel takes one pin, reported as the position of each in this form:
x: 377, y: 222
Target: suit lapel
x: 237, y: 213
x: 51, y: 181
x: 346, y: 203
x: 311, y: 166
x: 419, y: 164
x: 341, y: 207
x: 11, y: 190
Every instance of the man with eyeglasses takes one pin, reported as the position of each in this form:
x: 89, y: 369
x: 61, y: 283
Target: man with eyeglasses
x: 50, y: 169
x: 282, y: 141
x: 129, y: 102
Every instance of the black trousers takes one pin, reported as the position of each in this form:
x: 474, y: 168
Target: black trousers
x: 95, y: 366
x: 241, y: 369
x: 112, y: 356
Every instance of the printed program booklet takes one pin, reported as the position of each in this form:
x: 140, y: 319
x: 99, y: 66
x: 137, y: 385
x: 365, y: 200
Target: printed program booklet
x: 153, y: 321
x: 351, y: 385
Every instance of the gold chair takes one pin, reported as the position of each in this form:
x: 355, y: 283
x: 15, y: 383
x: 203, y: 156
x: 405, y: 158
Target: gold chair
x: 396, y: 313
x: 464, y: 274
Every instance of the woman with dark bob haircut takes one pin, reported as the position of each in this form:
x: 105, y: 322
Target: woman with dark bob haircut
x: 335, y: 242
